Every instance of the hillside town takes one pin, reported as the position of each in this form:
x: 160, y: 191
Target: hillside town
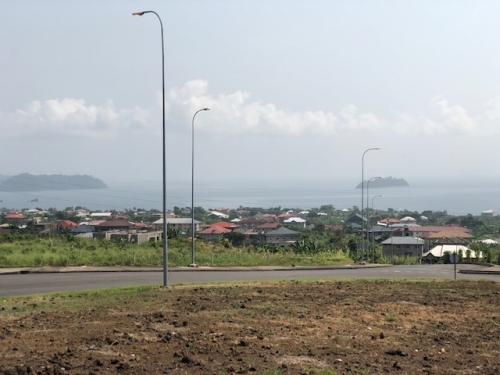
x: 392, y: 236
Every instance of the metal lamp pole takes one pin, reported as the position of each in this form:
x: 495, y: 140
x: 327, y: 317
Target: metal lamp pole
x: 373, y: 247
x: 165, y: 233
x: 368, y: 193
x: 193, y: 264
x: 362, y: 190
x: 368, y: 215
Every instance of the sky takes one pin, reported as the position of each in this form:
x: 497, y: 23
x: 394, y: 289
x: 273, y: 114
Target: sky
x: 298, y: 90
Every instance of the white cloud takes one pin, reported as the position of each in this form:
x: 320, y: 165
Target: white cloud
x: 493, y: 109
x: 237, y: 114
x: 71, y: 117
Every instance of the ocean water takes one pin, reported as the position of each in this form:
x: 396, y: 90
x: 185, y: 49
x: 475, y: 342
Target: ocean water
x: 456, y: 199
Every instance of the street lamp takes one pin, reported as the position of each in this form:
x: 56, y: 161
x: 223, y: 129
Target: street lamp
x: 362, y: 188
x: 193, y: 264
x: 165, y: 233
x: 373, y: 246
x: 368, y: 214
x: 368, y: 193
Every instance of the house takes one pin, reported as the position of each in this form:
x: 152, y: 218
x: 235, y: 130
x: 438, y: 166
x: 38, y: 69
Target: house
x: 94, y: 223
x: 377, y: 232
x: 449, y: 237
x: 356, y: 219
x: 182, y: 224
x: 213, y: 233
x: 101, y: 215
x: 489, y: 214
x: 389, y: 220
x: 437, y: 252
x: 113, y: 225
x: 408, y: 219
x: 219, y: 215
x: 282, y: 237
x: 267, y: 227
x: 295, y: 220
x: 251, y: 222
x: 402, y: 246
x: 81, y: 229
x: 284, y: 216
x: 66, y: 225
x: 225, y: 224
x: 15, y: 218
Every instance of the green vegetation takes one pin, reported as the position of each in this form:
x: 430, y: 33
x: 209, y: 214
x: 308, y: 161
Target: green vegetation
x: 328, y: 239
x: 24, y: 250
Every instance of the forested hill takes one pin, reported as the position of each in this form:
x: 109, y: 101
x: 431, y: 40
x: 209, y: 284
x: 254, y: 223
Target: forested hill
x: 29, y: 182
x: 385, y: 182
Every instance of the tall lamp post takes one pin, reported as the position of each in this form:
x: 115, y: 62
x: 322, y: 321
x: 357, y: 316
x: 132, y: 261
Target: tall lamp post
x: 368, y: 214
x: 193, y: 264
x: 368, y: 193
x: 373, y: 247
x: 362, y: 190
x: 165, y: 233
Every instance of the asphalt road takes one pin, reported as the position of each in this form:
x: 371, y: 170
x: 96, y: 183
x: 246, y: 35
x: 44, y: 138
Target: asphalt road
x: 40, y: 283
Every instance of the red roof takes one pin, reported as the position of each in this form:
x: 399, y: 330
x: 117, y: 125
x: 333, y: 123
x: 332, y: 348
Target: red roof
x: 15, y: 215
x: 389, y: 220
x: 96, y: 222
x: 224, y: 224
x: 270, y: 225
x: 214, y: 230
x: 67, y: 224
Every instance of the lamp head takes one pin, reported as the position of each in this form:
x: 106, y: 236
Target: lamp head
x: 206, y: 109
x: 138, y: 14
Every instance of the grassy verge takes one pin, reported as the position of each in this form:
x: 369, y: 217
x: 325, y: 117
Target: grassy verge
x: 70, y: 251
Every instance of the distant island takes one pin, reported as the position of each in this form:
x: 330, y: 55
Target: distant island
x: 29, y: 182
x: 385, y: 182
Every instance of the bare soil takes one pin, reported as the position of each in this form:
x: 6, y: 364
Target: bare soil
x: 290, y: 327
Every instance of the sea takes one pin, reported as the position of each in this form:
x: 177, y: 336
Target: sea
x: 456, y: 198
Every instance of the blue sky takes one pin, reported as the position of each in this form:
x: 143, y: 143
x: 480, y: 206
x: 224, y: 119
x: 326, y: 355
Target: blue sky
x: 297, y: 89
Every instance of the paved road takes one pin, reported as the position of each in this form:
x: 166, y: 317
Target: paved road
x: 38, y: 283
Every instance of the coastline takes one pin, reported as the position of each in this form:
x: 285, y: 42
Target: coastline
x: 455, y: 200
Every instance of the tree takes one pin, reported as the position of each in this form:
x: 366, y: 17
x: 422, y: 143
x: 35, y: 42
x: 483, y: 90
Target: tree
x: 172, y: 232
x: 236, y: 238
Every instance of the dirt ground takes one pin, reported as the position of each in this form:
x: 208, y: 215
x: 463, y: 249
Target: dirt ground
x: 289, y: 327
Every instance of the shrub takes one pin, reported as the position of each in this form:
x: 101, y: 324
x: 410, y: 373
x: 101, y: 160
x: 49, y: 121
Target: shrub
x: 489, y: 256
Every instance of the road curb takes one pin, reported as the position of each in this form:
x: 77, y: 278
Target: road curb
x: 35, y: 270
x: 479, y: 272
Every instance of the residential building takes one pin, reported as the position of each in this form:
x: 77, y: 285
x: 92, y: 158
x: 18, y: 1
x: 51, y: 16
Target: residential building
x: 182, y: 224
x: 225, y: 224
x: 267, y: 227
x: 489, y: 213
x: 403, y: 246
x: 213, y: 233
x: 282, y: 237
x: 114, y: 225
x: 438, y: 251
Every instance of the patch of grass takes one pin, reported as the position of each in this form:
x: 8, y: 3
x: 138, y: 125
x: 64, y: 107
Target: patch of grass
x: 75, y: 301
x: 391, y: 319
